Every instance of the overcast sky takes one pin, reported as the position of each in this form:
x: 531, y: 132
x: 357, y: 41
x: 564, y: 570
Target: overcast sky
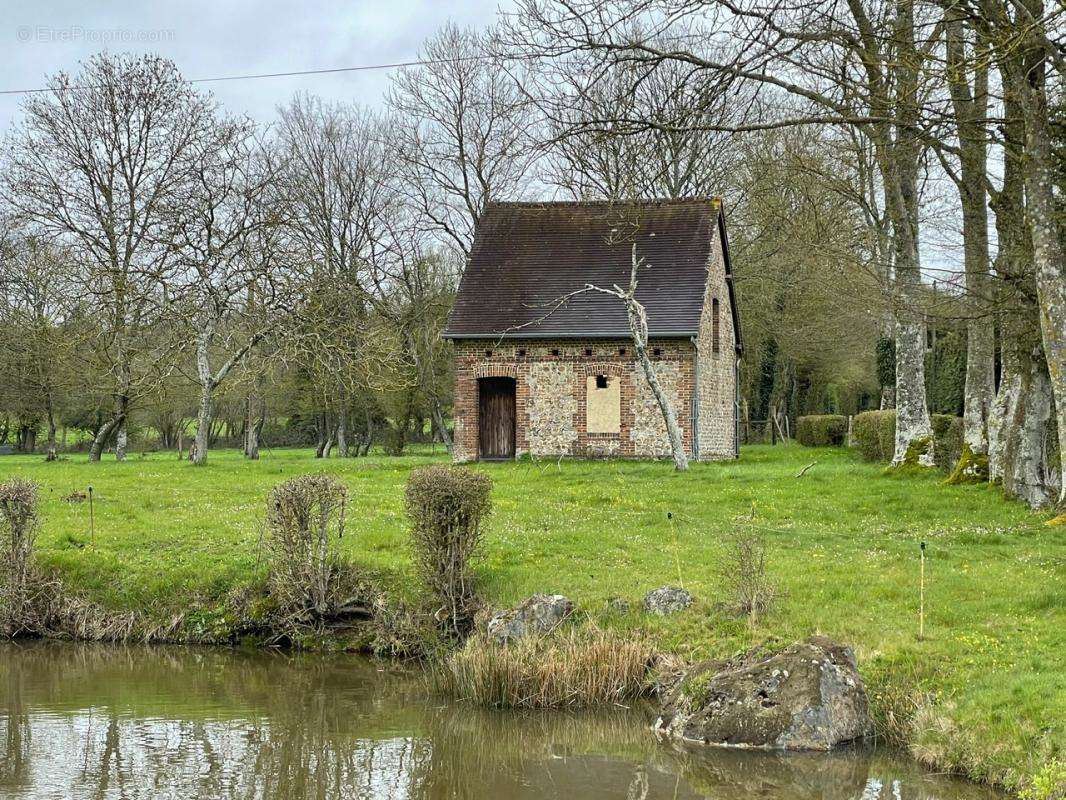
x: 211, y: 38
x: 216, y: 38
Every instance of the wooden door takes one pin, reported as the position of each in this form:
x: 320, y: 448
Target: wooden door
x: 496, y: 417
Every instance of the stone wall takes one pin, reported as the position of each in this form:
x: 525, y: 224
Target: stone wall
x: 552, y: 378
x: 551, y: 408
x: 648, y: 432
x: 716, y: 372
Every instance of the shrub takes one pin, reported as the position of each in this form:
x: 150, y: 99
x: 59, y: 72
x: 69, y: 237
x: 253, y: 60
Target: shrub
x: 305, y: 521
x: 822, y: 430
x: 18, y: 516
x: 743, y: 571
x: 874, y: 434
x: 947, y: 440
x: 446, y: 506
x: 572, y: 668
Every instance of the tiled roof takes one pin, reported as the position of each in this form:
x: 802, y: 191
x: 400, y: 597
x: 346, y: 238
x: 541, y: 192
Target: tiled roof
x: 526, y: 256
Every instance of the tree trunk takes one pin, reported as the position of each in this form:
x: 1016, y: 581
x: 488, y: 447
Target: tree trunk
x: 203, y: 418
x: 203, y: 426
x: 442, y: 427
x: 253, y: 428
x: 121, y: 440
x: 103, y: 436
x: 115, y: 425
x: 1047, y: 248
x: 327, y: 447
x: 970, y: 110
x: 50, y: 453
x: 673, y: 430
x: 321, y: 427
x: 252, y: 447
x: 369, y: 441
x: 913, y: 426
x: 27, y: 439
x: 898, y: 151
x: 1025, y: 451
x: 1001, y: 419
x: 342, y: 432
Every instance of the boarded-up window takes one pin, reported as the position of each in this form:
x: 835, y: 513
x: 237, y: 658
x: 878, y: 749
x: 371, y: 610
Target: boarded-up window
x: 603, y: 404
x: 715, y: 327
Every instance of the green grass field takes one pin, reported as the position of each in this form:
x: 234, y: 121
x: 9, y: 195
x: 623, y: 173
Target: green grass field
x: 983, y: 693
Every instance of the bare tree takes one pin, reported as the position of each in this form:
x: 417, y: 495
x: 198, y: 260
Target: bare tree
x: 969, y: 104
x: 341, y: 212
x: 94, y: 164
x: 35, y: 306
x: 234, y: 293
x: 613, y: 131
x: 1019, y: 36
x: 460, y: 133
x: 847, y: 64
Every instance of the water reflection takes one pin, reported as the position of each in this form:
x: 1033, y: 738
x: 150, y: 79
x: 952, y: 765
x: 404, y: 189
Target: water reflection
x: 89, y: 721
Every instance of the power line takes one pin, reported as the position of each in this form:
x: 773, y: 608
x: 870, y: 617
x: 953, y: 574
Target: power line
x: 334, y: 70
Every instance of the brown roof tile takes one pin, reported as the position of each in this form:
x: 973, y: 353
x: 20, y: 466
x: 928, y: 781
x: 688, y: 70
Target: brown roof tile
x: 526, y: 256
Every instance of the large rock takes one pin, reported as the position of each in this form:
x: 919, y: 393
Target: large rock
x: 807, y: 697
x: 538, y: 614
x: 667, y: 600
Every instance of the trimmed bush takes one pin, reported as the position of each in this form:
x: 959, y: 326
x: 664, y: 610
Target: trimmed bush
x: 305, y: 522
x: 446, y: 506
x: 947, y: 440
x: 821, y: 430
x: 18, y: 529
x: 874, y: 434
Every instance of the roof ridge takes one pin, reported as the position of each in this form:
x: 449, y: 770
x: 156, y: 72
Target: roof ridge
x: 601, y: 203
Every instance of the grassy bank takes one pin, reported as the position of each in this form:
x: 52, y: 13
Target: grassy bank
x: 984, y: 692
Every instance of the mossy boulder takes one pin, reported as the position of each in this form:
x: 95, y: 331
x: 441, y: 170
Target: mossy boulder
x: 538, y: 614
x: 667, y: 600
x: 809, y: 696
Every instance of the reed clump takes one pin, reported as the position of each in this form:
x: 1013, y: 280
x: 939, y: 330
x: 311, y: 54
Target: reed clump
x: 573, y: 668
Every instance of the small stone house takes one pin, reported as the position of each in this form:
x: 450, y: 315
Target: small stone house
x: 547, y: 378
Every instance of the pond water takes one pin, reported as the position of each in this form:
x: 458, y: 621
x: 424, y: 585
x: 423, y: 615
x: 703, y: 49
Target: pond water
x: 99, y: 721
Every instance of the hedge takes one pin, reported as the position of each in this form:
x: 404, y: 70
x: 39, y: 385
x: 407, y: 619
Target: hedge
x: 874, y: 434
x: 821, y: 430
x: 947, y: 440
